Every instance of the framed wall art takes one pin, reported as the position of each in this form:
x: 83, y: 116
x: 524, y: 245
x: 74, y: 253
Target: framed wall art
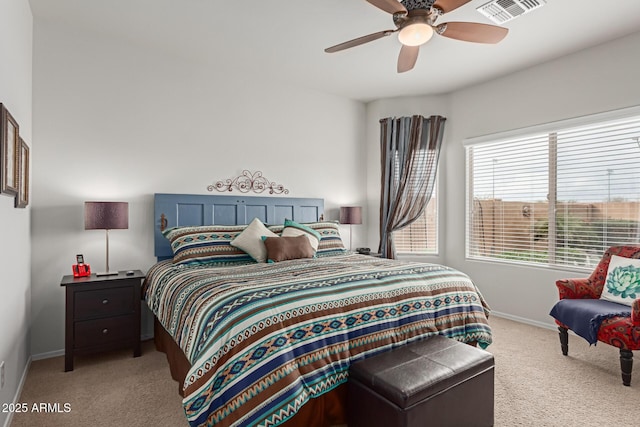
x: 9, y: 151
x: 22, y: 198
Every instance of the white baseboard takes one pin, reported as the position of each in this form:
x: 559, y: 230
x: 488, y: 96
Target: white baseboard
x: 16, y: 397
x: 48, y: 354
x: 524, y: 320
x: 56, y: 353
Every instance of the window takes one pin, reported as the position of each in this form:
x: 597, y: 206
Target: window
x: 421, y: 236
x: 558, y: 194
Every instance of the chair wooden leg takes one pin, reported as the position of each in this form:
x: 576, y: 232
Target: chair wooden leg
x: 626, y: 365
x: 564, y: 340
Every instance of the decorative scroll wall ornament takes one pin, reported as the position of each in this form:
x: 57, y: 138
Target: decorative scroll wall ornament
x: 249, y: 181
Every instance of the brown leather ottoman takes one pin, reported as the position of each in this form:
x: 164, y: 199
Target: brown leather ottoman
x: 434, y: 382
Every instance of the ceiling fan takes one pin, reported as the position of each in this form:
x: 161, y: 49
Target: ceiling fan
x: 415, y: 25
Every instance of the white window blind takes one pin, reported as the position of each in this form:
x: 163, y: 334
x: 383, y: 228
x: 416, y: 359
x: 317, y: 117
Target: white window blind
x: 421, y: 236
x: 559, y: 197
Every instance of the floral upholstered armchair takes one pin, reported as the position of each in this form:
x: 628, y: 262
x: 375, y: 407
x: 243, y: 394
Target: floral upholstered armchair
x: 610, y: 299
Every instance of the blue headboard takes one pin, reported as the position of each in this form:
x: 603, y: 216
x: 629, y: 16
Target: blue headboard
x: 172, y: 210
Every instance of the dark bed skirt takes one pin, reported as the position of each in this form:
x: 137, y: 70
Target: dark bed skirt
x: 323, y: 411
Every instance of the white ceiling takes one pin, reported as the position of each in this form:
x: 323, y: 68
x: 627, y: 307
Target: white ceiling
x: 286, y: 39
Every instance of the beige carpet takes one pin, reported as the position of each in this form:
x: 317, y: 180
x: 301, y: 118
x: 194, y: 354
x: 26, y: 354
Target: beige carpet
x: 112, y: 389
x: 535, y: 386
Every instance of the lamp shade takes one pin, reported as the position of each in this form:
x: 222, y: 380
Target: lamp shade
x: 106, y: 215
x: 351, y: 215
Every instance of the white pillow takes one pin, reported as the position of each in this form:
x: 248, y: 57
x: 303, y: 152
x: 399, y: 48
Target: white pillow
x: 622, y: 284
x: 250, y: 240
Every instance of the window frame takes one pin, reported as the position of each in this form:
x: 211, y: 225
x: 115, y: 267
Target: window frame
x: 518, y: 134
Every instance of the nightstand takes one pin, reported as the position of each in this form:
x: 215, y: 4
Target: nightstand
x: 373, y: 254
x: 102, y: 314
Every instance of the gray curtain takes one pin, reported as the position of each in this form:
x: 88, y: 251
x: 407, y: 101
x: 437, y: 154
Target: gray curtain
x: 410, y: 152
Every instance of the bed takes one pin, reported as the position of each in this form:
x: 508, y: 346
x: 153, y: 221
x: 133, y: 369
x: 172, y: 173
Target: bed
x: 270, y: 343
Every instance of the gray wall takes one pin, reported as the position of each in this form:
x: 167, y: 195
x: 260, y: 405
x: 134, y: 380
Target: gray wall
x: 15, y: 245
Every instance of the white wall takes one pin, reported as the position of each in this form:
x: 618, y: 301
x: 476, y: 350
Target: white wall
x: 15, y: 290
x: 118, y: 122
x: 599, y: 79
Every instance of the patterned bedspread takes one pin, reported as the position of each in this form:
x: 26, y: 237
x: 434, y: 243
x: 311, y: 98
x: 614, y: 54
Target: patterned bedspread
x: 263, y: 339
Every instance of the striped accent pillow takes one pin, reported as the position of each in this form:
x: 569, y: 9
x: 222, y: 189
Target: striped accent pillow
x: 293, y: 229
x: 330, y: 241
x: 206, y: 244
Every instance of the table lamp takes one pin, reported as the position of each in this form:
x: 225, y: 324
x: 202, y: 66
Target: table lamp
x: 106, y: 216
x: 350, y: 215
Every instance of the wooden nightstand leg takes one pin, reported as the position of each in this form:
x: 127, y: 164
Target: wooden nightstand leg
x: 137, y: 303
x: 68, y: 361
x: 68, y: 333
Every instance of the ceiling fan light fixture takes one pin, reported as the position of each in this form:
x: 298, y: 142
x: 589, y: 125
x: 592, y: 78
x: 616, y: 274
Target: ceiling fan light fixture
x: 415, y: 34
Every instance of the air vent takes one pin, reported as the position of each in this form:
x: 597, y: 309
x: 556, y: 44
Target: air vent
x: 501, y: 11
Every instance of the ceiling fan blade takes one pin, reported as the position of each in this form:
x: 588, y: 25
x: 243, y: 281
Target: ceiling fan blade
x: 391, y: 6
x: 359, y: 41
x: 472, y: 32
x: 449, y: 5
x: 407, y: 58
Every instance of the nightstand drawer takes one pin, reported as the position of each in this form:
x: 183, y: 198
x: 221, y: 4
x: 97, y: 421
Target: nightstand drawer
x: 96, y: 303
x: 103, y: 331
